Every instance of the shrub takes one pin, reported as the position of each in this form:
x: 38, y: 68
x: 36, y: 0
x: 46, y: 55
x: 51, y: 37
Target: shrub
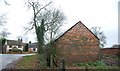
x: 10, y: 50
x: 15, y: 50
x: 20, y: 51
x: 25, y: 48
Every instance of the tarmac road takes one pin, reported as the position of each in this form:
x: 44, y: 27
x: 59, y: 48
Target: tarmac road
x: 5, y: 59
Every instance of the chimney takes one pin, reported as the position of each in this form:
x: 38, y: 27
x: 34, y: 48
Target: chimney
x: 29, y: 42
x: 18, y: 39
x: 21, y: 40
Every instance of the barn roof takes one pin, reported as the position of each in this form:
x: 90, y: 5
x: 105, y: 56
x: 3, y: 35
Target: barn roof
x: 74, y: 26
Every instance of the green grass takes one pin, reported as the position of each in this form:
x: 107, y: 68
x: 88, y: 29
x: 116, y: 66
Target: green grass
x: 28, y: 62
x: 107, y: 67
x: 97, y: 63
x: 32, y: 62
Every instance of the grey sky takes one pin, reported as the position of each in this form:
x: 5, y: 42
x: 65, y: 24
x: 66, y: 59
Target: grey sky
x: 103, y: 13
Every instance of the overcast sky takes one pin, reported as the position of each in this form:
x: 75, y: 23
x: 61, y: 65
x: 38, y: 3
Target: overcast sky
x: 102, y: 13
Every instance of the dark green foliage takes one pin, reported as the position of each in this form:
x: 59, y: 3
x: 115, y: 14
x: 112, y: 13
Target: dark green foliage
x: 51, y: 51
x: 20, y: 51
x: 25, y: 48
x: 40, y: 30
x: 0, y: 41
x: 15, y: 49
x: 3, y: 41
x: 40, y: 36
x: 97, y: 63
x: 10, y: 50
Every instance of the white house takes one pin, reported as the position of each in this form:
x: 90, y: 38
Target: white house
x: 9, y: 44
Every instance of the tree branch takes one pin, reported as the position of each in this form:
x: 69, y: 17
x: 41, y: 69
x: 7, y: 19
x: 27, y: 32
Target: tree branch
x: 43, y: 7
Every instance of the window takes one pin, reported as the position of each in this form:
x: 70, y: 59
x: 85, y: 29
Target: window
x: 10, y: 46
x: 33, y: 49
x: 19, y: 46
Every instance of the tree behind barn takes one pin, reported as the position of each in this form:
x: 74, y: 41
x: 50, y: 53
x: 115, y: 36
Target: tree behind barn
x: 54, y: 19
x: 102, y: 38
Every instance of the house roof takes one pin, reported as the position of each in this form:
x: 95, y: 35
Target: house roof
x: 14, y: 42
x: 32, y: 45
x: 74, y: 26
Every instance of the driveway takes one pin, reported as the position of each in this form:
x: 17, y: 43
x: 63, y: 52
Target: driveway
x: 5, y: 59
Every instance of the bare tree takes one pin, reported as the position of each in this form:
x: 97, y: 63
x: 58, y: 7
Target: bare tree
x: 3, y: 16
x: 45, y: 21
x: 6, y: 3
x: 2, y: 20
x: 38, y: 9
x: 19, y: 37
x: 102, y: 38
x: 4, y: 33
x: 53, y: 20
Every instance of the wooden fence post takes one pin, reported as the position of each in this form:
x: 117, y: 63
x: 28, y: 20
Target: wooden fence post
x: 63, y: 65
x: 86, y: 69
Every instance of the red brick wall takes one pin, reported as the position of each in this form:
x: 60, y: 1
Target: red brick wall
x: 78, y: 45
x: 110, y: 51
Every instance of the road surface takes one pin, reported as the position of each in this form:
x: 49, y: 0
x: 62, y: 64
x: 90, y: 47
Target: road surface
x: 5, y: 59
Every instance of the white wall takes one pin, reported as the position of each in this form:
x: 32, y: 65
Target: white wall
x: 8, y: 47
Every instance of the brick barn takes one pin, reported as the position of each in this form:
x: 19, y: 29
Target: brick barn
x: 77, y: 44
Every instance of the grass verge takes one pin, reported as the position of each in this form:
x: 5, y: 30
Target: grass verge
x: 28, y: 62
x: 32, y: 62
x: 98, y: 65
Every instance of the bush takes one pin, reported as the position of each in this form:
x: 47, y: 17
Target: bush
x: 10, y: 50
x: 15, y: 50
x: 20, y: 51
x: 25, y: 48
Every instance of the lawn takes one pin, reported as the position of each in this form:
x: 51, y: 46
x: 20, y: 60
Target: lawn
x: 28, y: 62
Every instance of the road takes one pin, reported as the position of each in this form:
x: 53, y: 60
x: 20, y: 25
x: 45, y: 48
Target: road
x: 5, y: 59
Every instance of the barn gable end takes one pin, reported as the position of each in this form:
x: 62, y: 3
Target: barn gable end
x: 78, y: 44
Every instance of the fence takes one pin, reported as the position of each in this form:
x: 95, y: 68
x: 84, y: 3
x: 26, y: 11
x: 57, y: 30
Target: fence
x: 59, y: 62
